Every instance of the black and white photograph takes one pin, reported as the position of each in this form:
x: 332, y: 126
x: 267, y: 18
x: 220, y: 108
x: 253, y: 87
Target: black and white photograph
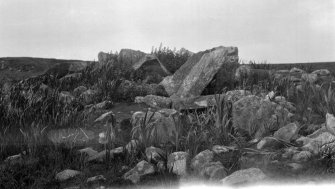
x: 104, y: 94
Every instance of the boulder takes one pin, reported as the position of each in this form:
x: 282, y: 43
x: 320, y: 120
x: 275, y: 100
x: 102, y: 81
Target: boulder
x: 128, y: 57
x: 154, y: 154
x: 287, y: 132
x: 67, y: 174
x: 201, y: 159
x: 244, y: 176
x: 141, y: 169
x: 96, y: 178
x: 256, y: 117
x: 302, y: 156
x: 150, y: 69
x: 214, y: 171
x: 162, y: 123
x: 319, y: 142
x: 199, y: 70
x: 178, y: 163
x: 154, y: 101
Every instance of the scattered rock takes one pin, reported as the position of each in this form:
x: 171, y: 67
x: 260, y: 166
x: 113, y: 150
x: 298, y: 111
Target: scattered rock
x: 214, y: 171
x: 250, y: 175
x: 256, y: 117
x: 302, y: 156
x: 323, y: 140
x: 222, y: 149
x: 96, y: 178
x: 163, y: 125
x: 67, y: 174
x: 102, y: 155
x: 201, y: 160
x: 155, y: 101
x: 154, y: 154
x: 287, y: 132
x: 178, y: 163
x: 141, y: 169
x: 289, y: 152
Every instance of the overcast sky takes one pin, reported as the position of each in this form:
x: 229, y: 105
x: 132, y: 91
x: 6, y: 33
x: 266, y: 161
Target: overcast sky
x: 277, y: 31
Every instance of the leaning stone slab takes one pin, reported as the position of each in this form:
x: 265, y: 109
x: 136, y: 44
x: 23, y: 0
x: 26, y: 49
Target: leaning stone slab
x: 199, y: 70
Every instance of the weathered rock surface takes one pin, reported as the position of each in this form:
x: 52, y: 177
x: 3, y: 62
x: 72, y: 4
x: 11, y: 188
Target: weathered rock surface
x: 214, y: 171
x: 199, y: 70
x: 201, y: 160
x: 178, y: 163
x: 250, y: 175
x: 257, y: 117
x: 128, y: 57
x: 302, y: 156
x: 319, y: 142
x: 67, y: 174
x: 141, y: 169
x: 162, y: 122
x: 155, y: 101
x: 287, y: 132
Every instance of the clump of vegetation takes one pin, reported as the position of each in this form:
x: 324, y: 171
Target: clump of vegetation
x: 171, y: 59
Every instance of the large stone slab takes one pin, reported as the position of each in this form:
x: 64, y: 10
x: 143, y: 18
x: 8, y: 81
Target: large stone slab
x: 199, y: 70
x: 128, y: 57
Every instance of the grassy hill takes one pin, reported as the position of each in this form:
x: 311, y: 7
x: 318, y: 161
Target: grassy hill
x: 18, y: 68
